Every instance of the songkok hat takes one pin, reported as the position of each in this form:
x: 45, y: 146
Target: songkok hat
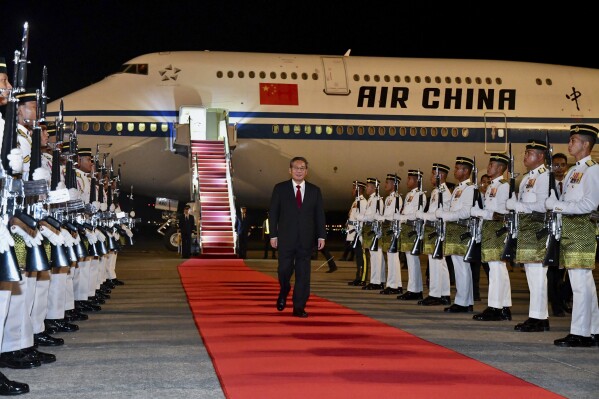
x: 536, y: 145
x: 584, y: 129
x: 464, y: 161
x: 503, y: 158
x: 393, y: 176
x: 84, y: 152
x: 414, y: 172
x: 26, y: 96
x: 360, y: 184
x: 372, y: 180
x: 442, y: 168
x: 3, y: 65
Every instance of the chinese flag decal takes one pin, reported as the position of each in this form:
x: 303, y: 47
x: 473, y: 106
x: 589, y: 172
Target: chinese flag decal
x: 278, y: 94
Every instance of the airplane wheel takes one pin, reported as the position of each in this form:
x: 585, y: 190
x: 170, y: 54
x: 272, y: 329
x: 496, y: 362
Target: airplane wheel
x: 171, y: 239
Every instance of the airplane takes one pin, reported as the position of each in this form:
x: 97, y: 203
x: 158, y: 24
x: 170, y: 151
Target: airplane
x: 352, y: 117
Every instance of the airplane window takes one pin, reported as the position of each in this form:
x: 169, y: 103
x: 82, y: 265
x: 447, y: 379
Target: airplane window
x: 417, y: 79
x: 136, y: 69
x: 402, y: 131
x: 366, y: 78
x: 339, y: 130
x: 164, y: 127
x: 329, y: 130
x: 262, y: 75
x: 318, y: 129
x: 304, y: 76
x: 454, y: 132
x: 412, y: 131
x: 423, y: 131
x: 434, y: 132
x: 427, y: 79
x: 549, y: 82
x: 252, y: 74
x: 458, y: 79
x: 465, y: 132
x: 283, y: 75
x: 286, y: 129
x: 275, y: 129
x: 307, y: 129
x: 314, y: 76
x: 293, y: 75
x: 153, y: 127
x: 381, y: 130
x: 468, y: 80
x: 397, y: 78
x: 498, y: 81
x: 356, y: 77
x: 96, y: 126
x: 85, y: 126
x: 107, y: 127
x: 360, y: 130
x: 240, y: 74
x: 478, y: 80
x: 219, y: 74
x: 447, y: 79
x: 141, y: 127
x: 377, y: 78
x: 489, y: 81
x: 437, y: 79
x: 119, y: 127
x: 371, y: 130
x: 387, y: 78
x: 230, y: 74
x: 350, y: 130
x: 539, y: 81
x: 130, y: 126
x: 392, y: 131
x: 273, y: 75
x: 444, y: 132
x: 297, y: 129
x: 407, y: 79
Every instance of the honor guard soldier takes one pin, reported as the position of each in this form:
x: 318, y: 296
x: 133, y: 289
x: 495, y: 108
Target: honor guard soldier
x: 532, y: 193
x: 358, y: 208
x: 578, y: 243
x: 496, y: 195
x: 415, y: 200
x: 390, y: 237
x: 439, y: 283
x: 372, y: 231
x: 455, y: 227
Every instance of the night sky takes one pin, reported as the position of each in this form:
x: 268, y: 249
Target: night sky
x: 81, y: 42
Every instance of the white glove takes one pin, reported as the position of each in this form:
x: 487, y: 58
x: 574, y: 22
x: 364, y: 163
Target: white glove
x: 42, y: 174
x: 447, y: 216
x: 112, y: 208
x: 103, y: 206
x: 96, y: 205
x: 77, y: 239
x: 402, y: 218
x: 513, y: 205
x: 91, y: 237
x: 73, y: 194
x: 68, y: 239
x: 127, y: 230
x: 55, y: 239
x: 420, y: 215
x: 29, y: 240
x: 6, y: 240
x: 60, y: 185
x: 132, y: 214
x: 439, y: 213
x: 476, y: 212
x: 551, y: 201
x: 101, y: 237
x: 15, y: 160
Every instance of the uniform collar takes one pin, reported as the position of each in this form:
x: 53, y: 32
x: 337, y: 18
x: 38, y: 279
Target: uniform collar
x: 583, y: 160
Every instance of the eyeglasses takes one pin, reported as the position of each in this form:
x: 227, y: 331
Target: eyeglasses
x: 301, y: 168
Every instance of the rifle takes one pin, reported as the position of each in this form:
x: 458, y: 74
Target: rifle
x: 396, y: 229
x: 358, y: 225
x: 56, y: 152
x: 376, y: 224
x: 473, y: 248
x: 511, y: 219
x: 552, y: 227
x: 419, y: 223
x: 439, y: 225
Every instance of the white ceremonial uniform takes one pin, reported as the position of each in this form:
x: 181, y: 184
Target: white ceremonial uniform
x: 377, y: 262
x: 410, y: 207
x: 393, y: 205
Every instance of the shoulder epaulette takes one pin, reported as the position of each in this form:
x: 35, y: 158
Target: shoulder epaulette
x: 22, y: 133
x: 503, y: 181
x: 542, y: 170
x: 469, y: 183
x: 590, y: 162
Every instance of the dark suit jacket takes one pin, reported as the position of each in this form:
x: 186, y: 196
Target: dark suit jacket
x: 295, y: 227
x: 187, y: 226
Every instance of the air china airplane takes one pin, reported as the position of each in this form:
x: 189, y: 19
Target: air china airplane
x: 352, y: 117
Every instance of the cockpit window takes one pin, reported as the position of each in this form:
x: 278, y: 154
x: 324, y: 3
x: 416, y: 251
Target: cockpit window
x: 136, y: 69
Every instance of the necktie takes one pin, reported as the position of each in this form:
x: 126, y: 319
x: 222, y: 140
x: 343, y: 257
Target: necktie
x: 298, y: 196
x: 561, y: 188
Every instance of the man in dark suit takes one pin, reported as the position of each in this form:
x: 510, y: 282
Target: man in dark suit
x: 243, y: 232
x: 187, y: 225
x: 296, y: 221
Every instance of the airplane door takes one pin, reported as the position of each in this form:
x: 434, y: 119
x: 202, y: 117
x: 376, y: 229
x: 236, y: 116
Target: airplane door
x: 496, y: 133
x: 335, y: 76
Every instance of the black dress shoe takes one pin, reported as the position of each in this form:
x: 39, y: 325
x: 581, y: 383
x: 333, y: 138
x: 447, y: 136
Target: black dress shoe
x: 506, y: 313
x: 371, y: 287
x: 445, y: 300
x: 298, y: 312
x: 60, y: 325
x: 10, y: 388
x: 430, y: 301
x: 360, y: 283
x: 595, y: 338
x: 74, y: 315
x: 19, y: 360
x: 390, y: 291
x: 45, y: 339
x: 533, y: 325
x: 409, y: 296
x: 575, y: 341
x: 116, y: 281
x: 95, y: 300
x: 455, y: 308
x: 332, y: 269
x: 43, y: 357
x: 489, y: 314
x: 281, y: 302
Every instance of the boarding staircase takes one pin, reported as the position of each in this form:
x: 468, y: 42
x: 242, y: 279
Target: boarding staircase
x: 217, y: 235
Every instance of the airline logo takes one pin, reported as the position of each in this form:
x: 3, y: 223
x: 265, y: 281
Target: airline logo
x: 278, y: 94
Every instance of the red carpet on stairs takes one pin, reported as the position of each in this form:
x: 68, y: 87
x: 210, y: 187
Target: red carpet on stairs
x: 260, y: 353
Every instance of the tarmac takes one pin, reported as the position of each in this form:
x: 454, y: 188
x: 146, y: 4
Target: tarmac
x: 144, y: 343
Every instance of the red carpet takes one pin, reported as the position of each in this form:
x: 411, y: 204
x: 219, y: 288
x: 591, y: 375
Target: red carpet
x: 335, y: 353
